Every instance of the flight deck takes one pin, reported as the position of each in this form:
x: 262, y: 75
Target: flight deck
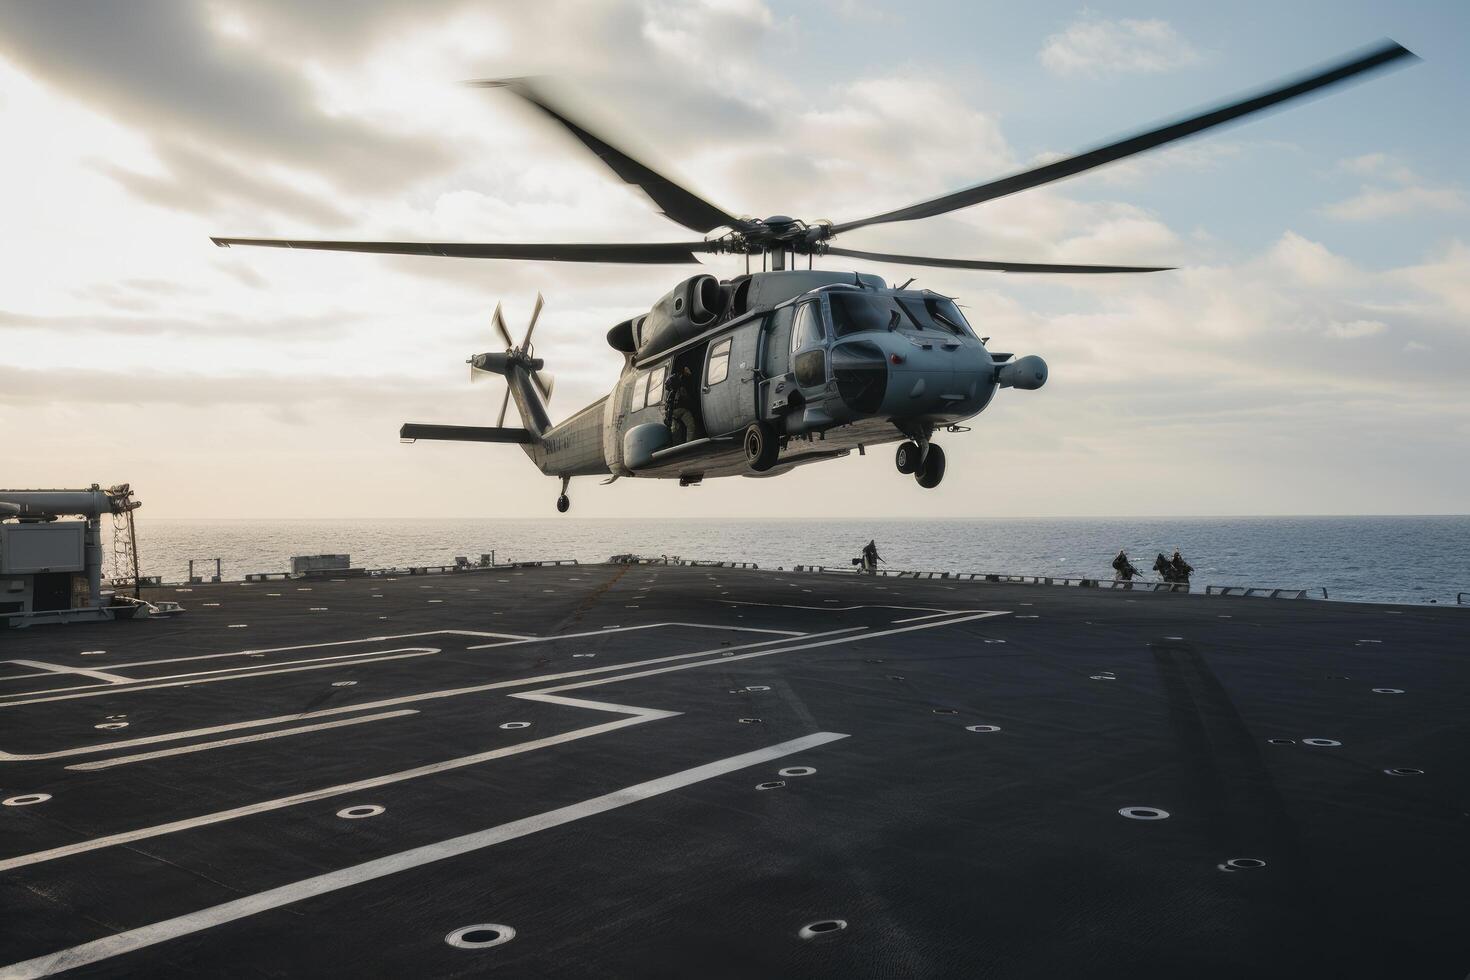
x: 665, y: 770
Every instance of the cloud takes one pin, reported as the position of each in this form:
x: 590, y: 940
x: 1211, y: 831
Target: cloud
x: 1373, y: 203
x: 1243, y: 373
x: 1399, y: 192
x: 98, y: 387
x: 1354, y: 328
x: 1444, y: 278
x: 165, y: 68
x: 215, y: 324
x: 1094, y: 47
x: 199, y: 181
x: 1309, y: 262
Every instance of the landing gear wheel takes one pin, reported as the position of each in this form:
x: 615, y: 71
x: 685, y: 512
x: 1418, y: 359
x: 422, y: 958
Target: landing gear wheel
x: 563, y: 503
x: 906, y: 458
x: 933, y: 470
x: 761, y: 448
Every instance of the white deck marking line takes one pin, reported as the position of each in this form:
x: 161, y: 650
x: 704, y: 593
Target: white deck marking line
x: 915, y: 619
x: 92, y: 692
x: 628, y: 629
x: 67, y: 850
x: 385, y: 703
x: 132, y: 743
x: 123, y: 760
x: 644, y: 715
x: 100, y: 675
x: 449, y: 692
x: 762, y: 653
x: 328, y: 643
x: 240, y: 908
x: 329, y: 661
x: 789, y: 605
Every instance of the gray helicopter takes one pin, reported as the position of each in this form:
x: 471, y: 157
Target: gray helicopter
x: 767, y: 371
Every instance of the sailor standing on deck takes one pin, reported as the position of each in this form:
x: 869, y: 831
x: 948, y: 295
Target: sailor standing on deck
x: 1123, y: 568
x: 870, y: 558
x: 1180, y: 567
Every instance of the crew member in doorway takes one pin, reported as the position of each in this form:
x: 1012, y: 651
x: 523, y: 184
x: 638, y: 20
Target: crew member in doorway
x: 1123, y: 568
x: 1180, y: 567
x: 677, y: 417
x: 870, y: 557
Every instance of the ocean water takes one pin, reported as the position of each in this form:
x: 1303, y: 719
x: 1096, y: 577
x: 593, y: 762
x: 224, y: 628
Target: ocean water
x: 1400, y: 559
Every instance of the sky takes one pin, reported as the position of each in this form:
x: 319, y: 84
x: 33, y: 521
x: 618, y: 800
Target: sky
x: 1309, y: 355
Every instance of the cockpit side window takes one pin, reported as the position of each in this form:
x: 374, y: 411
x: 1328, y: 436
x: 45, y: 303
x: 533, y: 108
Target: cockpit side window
x: 807, y: 332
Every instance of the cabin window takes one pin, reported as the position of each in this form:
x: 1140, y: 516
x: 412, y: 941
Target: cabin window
x: 640, y: 393
x: 655, y: 395
x: 807, y: 331
x: 719, y: 362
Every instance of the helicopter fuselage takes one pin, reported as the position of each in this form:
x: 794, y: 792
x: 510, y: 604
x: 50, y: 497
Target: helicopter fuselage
x: 817, y: 364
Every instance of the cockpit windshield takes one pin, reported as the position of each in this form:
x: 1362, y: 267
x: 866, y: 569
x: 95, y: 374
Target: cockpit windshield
x: 854, y: 312
x: 936, y: 313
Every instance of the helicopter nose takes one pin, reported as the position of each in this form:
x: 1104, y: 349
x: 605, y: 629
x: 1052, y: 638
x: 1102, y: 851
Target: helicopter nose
x: 860, y: 369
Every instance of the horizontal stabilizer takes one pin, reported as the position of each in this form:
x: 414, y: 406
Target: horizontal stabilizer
x: 463, y: 433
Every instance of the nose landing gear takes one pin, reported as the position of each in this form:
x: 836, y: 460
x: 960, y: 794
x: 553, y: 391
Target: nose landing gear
x: 564, y: 503
x: 906, y: 457
x: 925, y: 462
x: 932, y: 471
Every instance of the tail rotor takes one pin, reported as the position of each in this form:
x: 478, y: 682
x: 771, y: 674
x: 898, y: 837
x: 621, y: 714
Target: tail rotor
x: 520, y: 355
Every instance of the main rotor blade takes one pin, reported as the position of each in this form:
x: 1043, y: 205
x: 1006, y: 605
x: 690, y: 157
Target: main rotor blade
x: 498, y: 322
x: 853, y: 253
x: 1384, y: 54
x: 531, y: 328
x: 675, y: 202
x: 652, y: 253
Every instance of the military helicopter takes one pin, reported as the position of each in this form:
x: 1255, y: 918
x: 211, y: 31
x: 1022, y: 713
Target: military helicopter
x: 764, y: 372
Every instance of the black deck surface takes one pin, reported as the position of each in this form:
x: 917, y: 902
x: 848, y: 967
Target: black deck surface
x: 620, y: 831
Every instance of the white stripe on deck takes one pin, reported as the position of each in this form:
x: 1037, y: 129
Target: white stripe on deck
x: 123, y: 760
x: 311, y: 646
x: 143, y: 833
x: 645, y: 715
x: 383, y: 703
x: 149, y: 683
x: 862, y: 637
x: 628, y: 629
x: 59, y: 669
x: 184, y: 925
x: 790, y: 605
x: 144, y: 685
x: 119, y: 679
